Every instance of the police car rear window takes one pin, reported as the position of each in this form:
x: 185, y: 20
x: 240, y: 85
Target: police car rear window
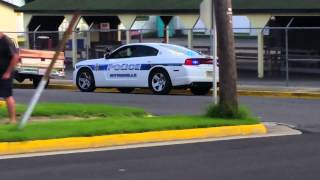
x: 180, y: 50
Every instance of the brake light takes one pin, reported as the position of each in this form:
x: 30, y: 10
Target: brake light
x: 191, y: 62
x: 194, y: 62
x: 207, y: 61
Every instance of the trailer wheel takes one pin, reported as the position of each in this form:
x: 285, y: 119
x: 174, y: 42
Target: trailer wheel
x: 36, y: 82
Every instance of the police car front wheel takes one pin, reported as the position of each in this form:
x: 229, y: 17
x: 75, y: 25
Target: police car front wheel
x: 160, y: 82
x: 85, y: 81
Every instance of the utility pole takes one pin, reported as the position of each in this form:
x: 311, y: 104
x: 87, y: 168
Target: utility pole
x: 228, y: 101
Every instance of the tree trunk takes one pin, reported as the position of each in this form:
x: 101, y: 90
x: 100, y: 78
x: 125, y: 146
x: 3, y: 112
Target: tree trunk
x: 227, y: 62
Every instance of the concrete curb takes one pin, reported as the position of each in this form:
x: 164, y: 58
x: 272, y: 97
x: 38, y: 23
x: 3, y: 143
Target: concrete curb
x: 241, y: 91
x: 280, y: 94
x: 9, y: 148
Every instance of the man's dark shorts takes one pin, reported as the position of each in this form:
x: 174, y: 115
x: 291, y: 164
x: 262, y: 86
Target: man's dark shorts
x: 5, y: 88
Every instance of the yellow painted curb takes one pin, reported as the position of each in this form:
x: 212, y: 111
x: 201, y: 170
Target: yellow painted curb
x: 282, y: 94
x: 127, y: 139
x: 2, y: 104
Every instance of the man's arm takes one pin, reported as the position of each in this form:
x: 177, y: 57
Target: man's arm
x: 13, y: 63
x: 14, y: 53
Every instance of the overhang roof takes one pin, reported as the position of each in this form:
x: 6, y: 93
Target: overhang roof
x: 8, y: 4
x: 167, y: 6
x: 276, y: 6
x: 113, y: 6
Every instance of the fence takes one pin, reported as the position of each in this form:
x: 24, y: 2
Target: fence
x: 291, y: 55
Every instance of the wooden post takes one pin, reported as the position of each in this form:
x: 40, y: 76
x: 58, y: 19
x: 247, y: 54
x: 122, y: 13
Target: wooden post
x: 167, y: 35
x: 119, y: 34
x: 260, y: 54
x: 45, y: 78
x: 74, y: 48
x: 166, y: 20
x: 128, y: 36
x: 228, y: 71
x: 190, y: 38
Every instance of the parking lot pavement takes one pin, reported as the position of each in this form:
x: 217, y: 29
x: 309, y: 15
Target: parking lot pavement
x: 247, y: 81
x: 243, y: 90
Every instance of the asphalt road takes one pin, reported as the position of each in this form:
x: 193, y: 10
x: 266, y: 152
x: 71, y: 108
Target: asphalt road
x: 281, y: 158
x: 277, y: 158
x: 298, y: 112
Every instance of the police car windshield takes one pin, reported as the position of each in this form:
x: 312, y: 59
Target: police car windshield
x: 178, y: 50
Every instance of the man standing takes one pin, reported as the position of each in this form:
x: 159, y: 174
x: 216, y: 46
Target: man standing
x: 8, y: 59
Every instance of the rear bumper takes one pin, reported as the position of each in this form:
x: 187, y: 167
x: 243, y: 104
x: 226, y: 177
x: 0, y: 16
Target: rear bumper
x: 33, y: 72
x: 199, y: 76
x: 40, y: 71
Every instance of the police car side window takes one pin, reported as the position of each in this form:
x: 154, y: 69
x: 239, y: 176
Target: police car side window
x: 125, y: 52
x: 141, y: 51
x: 134, y: 51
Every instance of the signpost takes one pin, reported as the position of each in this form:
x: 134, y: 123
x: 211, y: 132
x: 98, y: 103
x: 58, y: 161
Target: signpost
x: 207, y: 15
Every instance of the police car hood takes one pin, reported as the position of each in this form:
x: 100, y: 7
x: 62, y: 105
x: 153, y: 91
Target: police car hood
x: 89, y: 62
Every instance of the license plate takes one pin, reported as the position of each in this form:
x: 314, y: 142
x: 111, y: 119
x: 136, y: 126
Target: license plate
x: 209, y: 74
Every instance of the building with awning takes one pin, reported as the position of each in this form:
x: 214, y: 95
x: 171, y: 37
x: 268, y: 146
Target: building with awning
x: 272, y: 13
x: 10, y: 19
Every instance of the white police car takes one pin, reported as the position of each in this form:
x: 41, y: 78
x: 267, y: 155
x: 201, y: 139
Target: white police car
x: 157, y: 66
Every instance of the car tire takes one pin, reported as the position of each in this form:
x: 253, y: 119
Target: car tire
x: 160, y: 82
x: 85, y: 80
x: 200, y: 90
x: 125, y: 90
x: 36, y: 81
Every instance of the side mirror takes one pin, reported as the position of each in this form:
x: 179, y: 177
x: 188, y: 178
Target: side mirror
x: 200, y: 52
x: 107, y: 53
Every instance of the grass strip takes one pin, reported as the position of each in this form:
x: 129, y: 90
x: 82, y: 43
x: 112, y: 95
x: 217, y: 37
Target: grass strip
x: 77, y: 110
x: 134, y: 120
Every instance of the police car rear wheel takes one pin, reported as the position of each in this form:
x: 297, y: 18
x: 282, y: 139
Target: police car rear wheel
x: 160, y: 82
x: 85, y: 81
x: 200, y: 90
x: 125, y: 90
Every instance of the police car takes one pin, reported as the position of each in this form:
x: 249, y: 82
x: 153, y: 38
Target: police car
x: 157, y: 66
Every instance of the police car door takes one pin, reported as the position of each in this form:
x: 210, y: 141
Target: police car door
x: 123, y: 68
